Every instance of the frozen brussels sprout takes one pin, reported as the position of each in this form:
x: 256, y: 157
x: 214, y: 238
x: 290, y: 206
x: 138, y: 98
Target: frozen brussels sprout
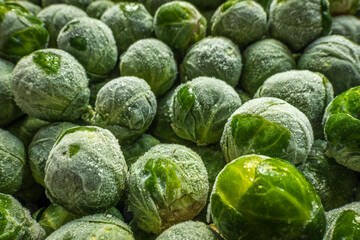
x: 153, y: 61
x: 268, y: 126
x: 56, y: 16
x: 342, y: 128
x: 40, y: 147
x: 129, y: 22
x: 12, y: 162
x: 338, y: 7
x: 347, y: 26
x: 189, y: 230
x: 9, y: 111
x: 31, y: 7
x: 52, y: 85
x: 16, y: 222
x: 307, y: 91
x: 200, y: 109
x: 167, y: 185
x: 86, y: 171
x: 262, y: 60
x: 179, y: 24
x: 244, y: 22
x: 92, y: 43
x: 94, y: 227
x: 216, y: 57
x: 126, y: 106
x: 259, y: 197
x: 97, y: 8
x: 21, y: 31
x: 337, y: 58
x: 299, y: 22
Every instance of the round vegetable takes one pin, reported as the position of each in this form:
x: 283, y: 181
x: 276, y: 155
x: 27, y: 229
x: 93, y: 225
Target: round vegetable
x: 86, y: 171
x: 259, y: 197
x: 347, y: 26
x: 339, y: 7
x: 51, y: 85
x: 97, y: 8
x: 167, y: 185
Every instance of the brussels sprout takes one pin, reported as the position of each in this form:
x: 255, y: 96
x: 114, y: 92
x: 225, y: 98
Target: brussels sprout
x: 338, y: 7
x: 244, y: 22
x: 307, y: 91
x: 56, y: 16
x: 16, y: 222
x: 153, y: 61
x: 21, y: 32
x: 9, y: 111
x: 259, y: 197
x: 153, y: 5
x: 299, y: 22
x: 51, y: 85
x: 268, y: 126
x: 190, y: 231
x: 342, y: 128
x: 335, y: 184
x: 92, y: 43
x: 125, y: 106
x: 94, y: 227
x: 167, y: 185
x: 40, y: 147
x: 179, y: 24
x: 31, y: 7
x: 200, y: 109
x: 86, y: 170
x: 216, y: 57
x: 347, y: 26
x: 97, y: 8
x: 12, y: 162
x: 129, y: 22
x: 262, y: 60
x: 335, y: 57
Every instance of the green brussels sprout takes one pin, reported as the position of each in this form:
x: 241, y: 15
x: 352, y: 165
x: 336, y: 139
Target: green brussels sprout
x: 335, y: 184
x: 16, y: 222
x: 9, y: 111
x: 129, y: 22
x: 259, y: 197
x: 216, y: 57
x: 338, y: 7
x: 342, y: 128
x: 179, y: 24
x: 86, y: 171
x: 299, y: 22
x: 167, y: 185
x: 189, y: 230
x: 125, y: 106
x: 244, y: 22
x: 92, y: 43
x: 55, y: 18
x: 200, y: 109
x: 97, y: 8
x: 51, y: 85
x: 12, y: 162
x: 335, y: 57
x: 268, y: 126
x: 40, y: 147
x: 153, y: 61
x: 94, y: 227
x: 31, y: 7
x: 347, y: 26
x: 262, y: 60
x: 21, y: 31
x: 307, y: 91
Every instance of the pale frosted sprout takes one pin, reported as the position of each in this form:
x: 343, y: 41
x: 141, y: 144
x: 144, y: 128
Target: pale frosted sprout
x: 347, y: 26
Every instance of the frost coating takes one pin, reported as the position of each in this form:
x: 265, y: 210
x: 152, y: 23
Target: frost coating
x: 167, y: 185
x: 97, y: 8
x: 51, y: 85
x: 92, y: 43
x: 268, y: 126
x: 153, y: 61
x: 216, y: 57
x: 86, y: 171
x: 347, y: 26
x: 126, y: 106
x: 200, y: 109
x: 307, y: 91
x: 244, y: 22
